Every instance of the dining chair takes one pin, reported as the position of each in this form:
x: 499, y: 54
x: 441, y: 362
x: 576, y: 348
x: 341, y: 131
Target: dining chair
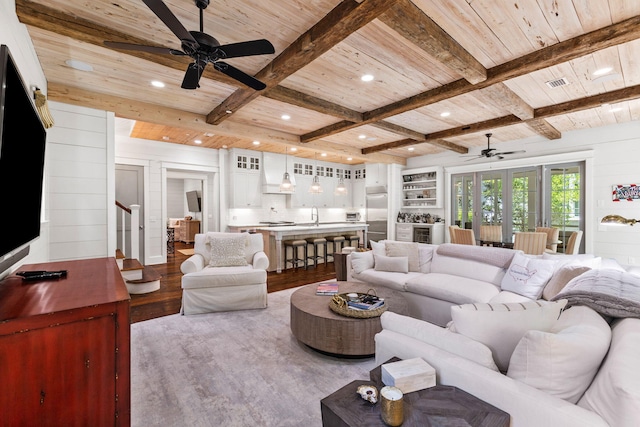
x: 532, y: 243
x: 573, y: 244
x: 463, y: 236
x: 452, y: 236
x: 553, y: 235
x: 491, y: 233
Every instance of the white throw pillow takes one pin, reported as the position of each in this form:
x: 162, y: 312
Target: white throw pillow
x: 501, y: 326
x: 563, y: 361
x: 228, y: 251
x: 527, y: 276
x: 378, y: 247
x: 404, y: 249
x: 560, y: 279
x: 361, y: 261
x: 395, y: 264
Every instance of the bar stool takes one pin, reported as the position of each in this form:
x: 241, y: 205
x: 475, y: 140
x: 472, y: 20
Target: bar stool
x: 295, y: 246
x: 317, y: 242
x: 337, y: 243
x: 352, y: 238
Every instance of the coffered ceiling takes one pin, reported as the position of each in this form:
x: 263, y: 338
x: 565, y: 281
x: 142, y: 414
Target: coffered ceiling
x: 444, y: 72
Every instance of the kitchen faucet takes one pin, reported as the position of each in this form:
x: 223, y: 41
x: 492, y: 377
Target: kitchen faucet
x: 317, y: 216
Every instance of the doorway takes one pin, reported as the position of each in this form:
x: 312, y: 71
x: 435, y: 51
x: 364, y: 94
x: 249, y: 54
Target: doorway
x: 130, y: 191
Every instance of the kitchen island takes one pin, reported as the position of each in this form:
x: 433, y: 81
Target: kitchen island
x: 273, y: 237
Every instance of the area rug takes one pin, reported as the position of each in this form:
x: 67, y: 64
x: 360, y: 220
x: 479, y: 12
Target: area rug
x: 240, y: 368
x: 188, y: 252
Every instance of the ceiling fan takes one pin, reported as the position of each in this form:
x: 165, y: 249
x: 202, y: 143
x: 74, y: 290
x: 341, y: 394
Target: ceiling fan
x: 491, y: 152
x: 202, y: 48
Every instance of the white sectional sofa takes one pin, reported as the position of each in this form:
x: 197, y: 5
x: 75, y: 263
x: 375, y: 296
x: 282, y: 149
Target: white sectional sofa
x: 546, y: 363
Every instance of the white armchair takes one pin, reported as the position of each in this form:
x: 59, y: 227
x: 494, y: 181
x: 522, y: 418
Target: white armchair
x: 228, y: 271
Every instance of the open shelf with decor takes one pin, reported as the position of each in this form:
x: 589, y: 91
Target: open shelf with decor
x: 422, y: 188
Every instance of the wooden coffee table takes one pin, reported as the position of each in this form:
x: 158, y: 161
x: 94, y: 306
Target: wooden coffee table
x: 314, y: 324
x: 440, y: 405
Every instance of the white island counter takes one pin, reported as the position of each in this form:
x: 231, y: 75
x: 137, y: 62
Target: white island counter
x: 273, y: 237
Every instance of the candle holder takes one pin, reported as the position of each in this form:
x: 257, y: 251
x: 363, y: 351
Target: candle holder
x: 392, y: 406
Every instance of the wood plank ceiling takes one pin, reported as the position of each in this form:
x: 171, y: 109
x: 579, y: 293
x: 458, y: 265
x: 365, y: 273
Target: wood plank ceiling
x: 484, y: 62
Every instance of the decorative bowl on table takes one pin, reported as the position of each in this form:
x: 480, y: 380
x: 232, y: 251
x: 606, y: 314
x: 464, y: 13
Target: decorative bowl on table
x: 367, y: 305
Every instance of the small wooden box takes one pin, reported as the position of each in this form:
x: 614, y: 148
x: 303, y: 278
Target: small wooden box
x: 409, y: 375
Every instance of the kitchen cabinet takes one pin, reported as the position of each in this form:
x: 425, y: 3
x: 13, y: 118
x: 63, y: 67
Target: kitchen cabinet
x: 359, y: 199
x: 246, y: 179
x: 422, y: 188
x: 65, y: 346
x: 404, y: 232
x: 420, y: 232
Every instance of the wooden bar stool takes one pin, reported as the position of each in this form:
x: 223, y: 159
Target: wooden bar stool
x: 352, y: 238
x: 316, y: 242
x: 337, y: 243
x: 295, y: 246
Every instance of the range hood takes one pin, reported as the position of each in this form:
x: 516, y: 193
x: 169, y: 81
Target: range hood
x: 273, y: 166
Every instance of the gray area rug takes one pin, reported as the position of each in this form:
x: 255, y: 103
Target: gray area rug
x: 240, y: 368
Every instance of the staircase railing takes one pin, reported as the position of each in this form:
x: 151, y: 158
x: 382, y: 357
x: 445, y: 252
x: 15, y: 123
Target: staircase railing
x: 133, y: 214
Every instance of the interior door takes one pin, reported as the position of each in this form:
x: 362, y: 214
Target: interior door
x: 565, y: 200
x: 130, y: 191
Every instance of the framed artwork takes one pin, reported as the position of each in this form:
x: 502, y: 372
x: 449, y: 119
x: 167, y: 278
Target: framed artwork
x: 628, y: 192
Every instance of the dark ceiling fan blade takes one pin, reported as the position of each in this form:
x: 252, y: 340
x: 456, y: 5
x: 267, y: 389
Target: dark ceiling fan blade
x: 192, y: 76
x: 164, y: 13
x: 143, y: 48
x: 509, y: 152
x: 240, y: 76
x: 249, y: 48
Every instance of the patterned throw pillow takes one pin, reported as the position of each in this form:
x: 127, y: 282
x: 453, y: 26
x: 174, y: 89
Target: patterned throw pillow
x: 228, y: 251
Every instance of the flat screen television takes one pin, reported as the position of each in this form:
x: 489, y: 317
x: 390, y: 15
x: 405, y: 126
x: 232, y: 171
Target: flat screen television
x: 193, y: 201
x: 22, y: 148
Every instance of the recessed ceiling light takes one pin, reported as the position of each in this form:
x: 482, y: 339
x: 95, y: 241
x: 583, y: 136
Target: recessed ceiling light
x: 224, y: 146
x: 445, y: 114
x: 615, y: 109
x: 197, y: 141
x: 157, y: 83
x: 366, y: 78
x: 209, y: 134
x: 602, y: 71
x: 323, y: 154
x: 411, y: 148
x: 293, y: 149
x: 607, y: 78
x: 349, y: 158
x: 256, y: 142
x: 166, y: 138
x: 362, y: 136
x: 78, y: 65
x: 228, y: 111
x: 285, y: 117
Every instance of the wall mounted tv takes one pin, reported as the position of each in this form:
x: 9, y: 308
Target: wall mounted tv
x: 193, y: 201
x: 22, y: 147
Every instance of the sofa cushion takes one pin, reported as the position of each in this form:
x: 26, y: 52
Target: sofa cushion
x: 404, y: 249
x: 391, y: 280
x: 527, y: 276
x: 586, y: 260
x: 399, y: 264
x: 361, y: 261
x: 458, y: 290
x: 228, y: 251
x: 501, y: 326
x: 215, y: 277
x: 563, y: 361
x: 560, y: 279
x: 614, y: 393
x: 506, y: 296
x: 470, y: 269
x: 425, y: 254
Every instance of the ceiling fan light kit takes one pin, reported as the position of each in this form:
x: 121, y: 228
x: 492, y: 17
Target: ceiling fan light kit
x: 202, y: 48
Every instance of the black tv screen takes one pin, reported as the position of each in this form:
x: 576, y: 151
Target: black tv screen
x: 22, y: 148
x: 193, y: 201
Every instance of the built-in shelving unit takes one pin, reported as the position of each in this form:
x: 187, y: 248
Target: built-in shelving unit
x: 422, y: 188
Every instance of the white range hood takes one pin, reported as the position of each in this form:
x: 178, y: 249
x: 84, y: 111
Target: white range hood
x: 273, y: 167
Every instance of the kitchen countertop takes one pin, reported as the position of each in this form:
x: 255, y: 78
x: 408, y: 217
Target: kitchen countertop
x: 311, y: 226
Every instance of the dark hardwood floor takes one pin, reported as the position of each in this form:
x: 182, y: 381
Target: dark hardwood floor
x: 166, y: 300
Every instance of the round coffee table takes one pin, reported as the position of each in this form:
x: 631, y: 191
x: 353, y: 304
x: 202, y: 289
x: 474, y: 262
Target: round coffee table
x: 314, y: 324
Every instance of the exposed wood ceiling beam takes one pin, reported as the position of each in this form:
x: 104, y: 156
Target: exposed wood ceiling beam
x: 137, y: 110
x: 343, y: 20
x: 41, y: 16
x: 613, y: 35
x: 544, y: 128
x: 594, y: 101
x: 414, y: 138
x: 299, y: 99
x: 413, y: 24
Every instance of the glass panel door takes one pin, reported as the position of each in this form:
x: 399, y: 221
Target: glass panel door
x: 462, y: 203
x: 564, y: 188
x: 525, y: 211
x: 491, y: 198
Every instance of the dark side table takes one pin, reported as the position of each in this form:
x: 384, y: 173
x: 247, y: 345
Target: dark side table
x: 440, y: 405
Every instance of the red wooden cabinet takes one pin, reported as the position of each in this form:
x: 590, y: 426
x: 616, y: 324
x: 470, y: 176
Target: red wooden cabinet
x: 65, y: 347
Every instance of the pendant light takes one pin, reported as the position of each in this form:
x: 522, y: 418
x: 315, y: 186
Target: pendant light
x: 286, y: 186
x: 316, y: 188
x: 341, y: 189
